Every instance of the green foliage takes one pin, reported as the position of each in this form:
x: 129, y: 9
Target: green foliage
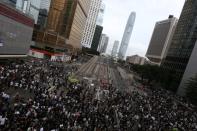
x: 122, y: 62
x: 191, y: 89
x: 146, y: 71
x: 152, y: 73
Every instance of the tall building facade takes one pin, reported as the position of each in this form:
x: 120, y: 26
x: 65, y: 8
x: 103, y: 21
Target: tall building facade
x: 58, y: 16
x: 42, y: 19
x: 43, y: 14
x: 78, y: 24
x: 28, y: 6
x: 101, y: 13
x: 127, y: 36
x: 161, y: 40
x: 96, y: 38
x: 90, y: 26
x: 99, y: 28
x: 106, y: 42
x: 65, y: 25
x: 34, y: 8
x: 52, y: 37
x: 115, y: 49
x: 103, y: 43
x: 190, y: 72
x: 183, y: 40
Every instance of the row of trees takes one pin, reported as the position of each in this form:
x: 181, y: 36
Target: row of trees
x: 156, y: 74
x: 168, y: 79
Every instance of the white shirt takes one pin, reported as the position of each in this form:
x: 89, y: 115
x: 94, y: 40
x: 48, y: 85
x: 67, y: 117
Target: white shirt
x: 5, y: 95
x: 2, y: 121
x: 16, y: 84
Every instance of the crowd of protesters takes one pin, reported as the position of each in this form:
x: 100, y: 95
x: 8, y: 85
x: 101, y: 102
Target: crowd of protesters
x: 77, y: 109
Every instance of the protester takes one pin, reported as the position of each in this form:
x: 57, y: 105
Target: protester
x: 58, y: 105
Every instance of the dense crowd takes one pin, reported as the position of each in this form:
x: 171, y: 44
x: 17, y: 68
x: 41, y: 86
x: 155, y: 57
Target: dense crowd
x: 60, y: 105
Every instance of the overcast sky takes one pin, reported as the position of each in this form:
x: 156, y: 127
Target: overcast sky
x: 147, y: 13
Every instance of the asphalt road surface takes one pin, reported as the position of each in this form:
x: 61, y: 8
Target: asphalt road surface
x: 104, y: 71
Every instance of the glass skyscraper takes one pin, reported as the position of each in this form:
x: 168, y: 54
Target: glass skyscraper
x: 115, y: 49
x: 127, y: 36
x: 101, y: 15
x: 183, y: 40
x: 96, y: 38
x: 103, y: 43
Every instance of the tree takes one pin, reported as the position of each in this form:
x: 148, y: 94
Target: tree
x: 122, y: 62
x: 191, y: 89
x: 148, y: 72
x: 159, y: 75
x: 169, y: 79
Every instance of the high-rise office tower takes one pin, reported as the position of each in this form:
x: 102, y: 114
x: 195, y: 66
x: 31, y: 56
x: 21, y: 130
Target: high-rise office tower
x: 57, y: 13
x: 90, y: 26
x: 99, y: 28
x: 29, y: 6
x: 183, y: 40
x: 190, y: 72
x: 65, y: 25
x: 76, y: 31
x: 106, y: 42
x: 115, y: 49
x: 34, y: 7
x: 127, y: 36
x: 43, y: 14
x: 99, y: 20
x: 103, y: 43
x: 161, y: 39
x: 96, y: 38
x: 42, y: 19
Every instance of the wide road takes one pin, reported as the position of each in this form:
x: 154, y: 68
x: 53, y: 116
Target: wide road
x: 103, y: 70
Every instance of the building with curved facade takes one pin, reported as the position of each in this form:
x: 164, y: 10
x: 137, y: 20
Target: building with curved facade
x: 127, y: 36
